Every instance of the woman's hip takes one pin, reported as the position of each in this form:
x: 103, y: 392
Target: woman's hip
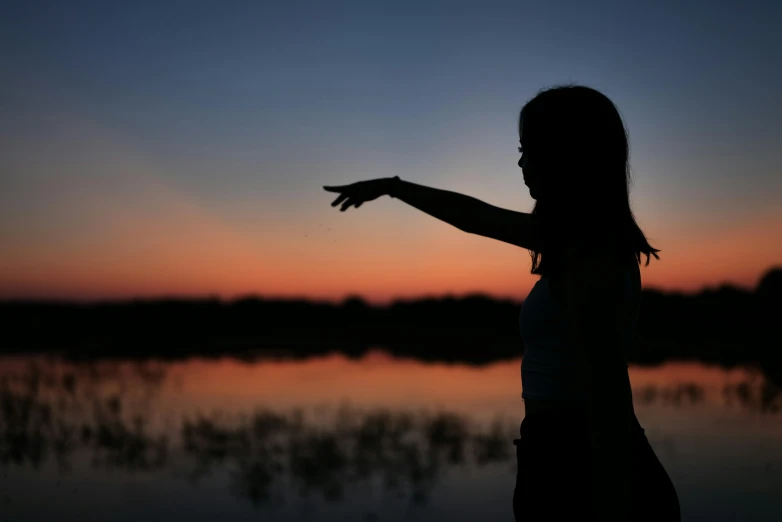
x: 554, y: 472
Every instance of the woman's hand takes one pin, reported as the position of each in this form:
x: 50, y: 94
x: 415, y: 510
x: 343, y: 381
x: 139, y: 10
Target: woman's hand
x: 357, y: 193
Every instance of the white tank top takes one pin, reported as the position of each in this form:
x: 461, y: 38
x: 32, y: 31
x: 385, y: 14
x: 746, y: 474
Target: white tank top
x: 550, y: 367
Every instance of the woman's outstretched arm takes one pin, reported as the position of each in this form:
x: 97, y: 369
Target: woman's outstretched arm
x: 469, y: 214
x: 464, y: 212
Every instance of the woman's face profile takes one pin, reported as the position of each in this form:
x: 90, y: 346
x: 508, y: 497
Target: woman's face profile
x: 529, y: 173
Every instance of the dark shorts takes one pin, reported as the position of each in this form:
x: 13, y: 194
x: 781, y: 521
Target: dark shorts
x: 553, y: 478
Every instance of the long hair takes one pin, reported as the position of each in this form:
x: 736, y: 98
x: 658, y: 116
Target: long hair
x: 576, y: 137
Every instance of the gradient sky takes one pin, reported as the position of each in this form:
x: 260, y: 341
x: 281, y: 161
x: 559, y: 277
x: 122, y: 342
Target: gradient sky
x: 182, y: 149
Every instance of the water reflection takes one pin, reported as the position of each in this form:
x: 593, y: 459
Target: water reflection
x: 113, y: 416
x: 754, y: 395
x: 53, y: 410
x: 50, y: 413
x: 405, y: 451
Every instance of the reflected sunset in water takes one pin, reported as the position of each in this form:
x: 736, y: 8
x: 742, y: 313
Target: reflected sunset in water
x: 376, y: 436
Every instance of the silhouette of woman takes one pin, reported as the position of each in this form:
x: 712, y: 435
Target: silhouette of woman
x: 581, y: 452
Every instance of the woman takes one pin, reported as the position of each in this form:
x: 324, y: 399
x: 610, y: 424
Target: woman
x: 582, y: 455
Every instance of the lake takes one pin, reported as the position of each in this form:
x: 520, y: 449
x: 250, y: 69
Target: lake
x: 333, y: 438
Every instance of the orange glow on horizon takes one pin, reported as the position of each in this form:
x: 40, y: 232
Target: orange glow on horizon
x: 140, y: 235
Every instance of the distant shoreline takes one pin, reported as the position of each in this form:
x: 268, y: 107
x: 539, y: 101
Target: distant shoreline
x: 726, y: 325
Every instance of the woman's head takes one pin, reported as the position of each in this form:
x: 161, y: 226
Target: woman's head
x: 575, y: 159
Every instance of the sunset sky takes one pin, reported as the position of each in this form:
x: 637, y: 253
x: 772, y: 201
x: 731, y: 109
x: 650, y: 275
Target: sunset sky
x: 181, y: 149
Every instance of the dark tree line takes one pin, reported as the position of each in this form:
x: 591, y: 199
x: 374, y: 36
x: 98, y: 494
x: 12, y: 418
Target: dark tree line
x: 727, y: 325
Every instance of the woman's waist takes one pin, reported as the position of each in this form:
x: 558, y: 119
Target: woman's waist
x: 571, y: 410
x: 564, y: 386
x: 563, y: 406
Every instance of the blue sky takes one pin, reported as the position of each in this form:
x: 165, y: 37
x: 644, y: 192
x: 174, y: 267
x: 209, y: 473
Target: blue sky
x: 241, y: 111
